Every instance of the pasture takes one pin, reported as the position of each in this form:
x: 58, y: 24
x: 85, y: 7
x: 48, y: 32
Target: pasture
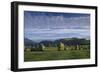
x: 54, y: 54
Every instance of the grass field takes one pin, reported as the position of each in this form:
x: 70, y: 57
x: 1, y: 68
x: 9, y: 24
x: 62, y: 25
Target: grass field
x: 56, y: 55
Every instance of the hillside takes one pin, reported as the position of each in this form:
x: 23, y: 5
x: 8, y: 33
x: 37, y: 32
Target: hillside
x: 65, y: 41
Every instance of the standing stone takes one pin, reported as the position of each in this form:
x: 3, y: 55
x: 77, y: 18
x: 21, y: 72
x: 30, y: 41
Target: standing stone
x: 77, y: 47
x: 61, y: 47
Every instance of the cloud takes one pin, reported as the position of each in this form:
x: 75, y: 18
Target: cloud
x: 55, y: 31
x: 43, y: 21
x: 42, y: 25
x: 56, y: 34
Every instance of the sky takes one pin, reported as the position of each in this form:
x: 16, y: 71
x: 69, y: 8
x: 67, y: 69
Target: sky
x: 40, y: 26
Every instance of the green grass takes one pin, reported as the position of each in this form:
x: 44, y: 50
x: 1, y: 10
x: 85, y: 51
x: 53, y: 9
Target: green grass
x: 56, y: 55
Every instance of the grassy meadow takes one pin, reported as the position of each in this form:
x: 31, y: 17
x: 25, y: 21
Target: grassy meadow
x: 62, y: 49
x: 56, y: 55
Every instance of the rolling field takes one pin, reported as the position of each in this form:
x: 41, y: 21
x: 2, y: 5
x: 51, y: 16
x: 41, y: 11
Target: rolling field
x: 56, y: 55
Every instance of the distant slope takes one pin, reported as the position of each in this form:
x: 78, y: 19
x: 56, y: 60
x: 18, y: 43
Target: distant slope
x: 28, y: 42
x: 65, y: 41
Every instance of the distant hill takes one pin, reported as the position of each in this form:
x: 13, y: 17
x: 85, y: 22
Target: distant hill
x: 73, y: 41
x: 65, y: 41
x: 28, y: 42
x: 46, y: 43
